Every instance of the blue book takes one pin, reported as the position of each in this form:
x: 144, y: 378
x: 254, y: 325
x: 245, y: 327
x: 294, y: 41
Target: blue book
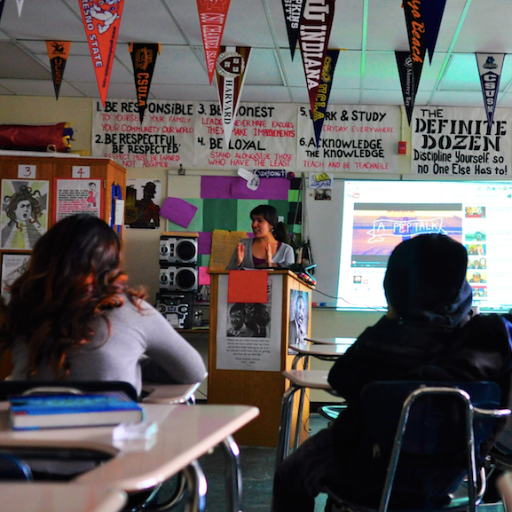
x: 66, y: 410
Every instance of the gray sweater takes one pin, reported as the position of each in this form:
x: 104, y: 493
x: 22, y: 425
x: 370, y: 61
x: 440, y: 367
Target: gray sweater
x: 140, y: 345
x: 283, y: 257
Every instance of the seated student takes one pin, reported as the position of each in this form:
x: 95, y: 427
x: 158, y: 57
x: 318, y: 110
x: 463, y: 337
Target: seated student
x: 72, y: 316
x: 427, y: 334
x: 268, y: 248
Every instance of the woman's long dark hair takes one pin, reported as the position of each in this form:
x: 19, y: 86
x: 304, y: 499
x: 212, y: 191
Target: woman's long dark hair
x: 73, y: 276
x: 269, y: 213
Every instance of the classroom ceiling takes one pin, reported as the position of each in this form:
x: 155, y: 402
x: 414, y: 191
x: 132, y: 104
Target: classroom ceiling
x: 368, y: 31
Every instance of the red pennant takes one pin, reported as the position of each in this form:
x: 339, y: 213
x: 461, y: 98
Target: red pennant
x: 230, y: 72
x: 58, y: 52
x: 102, y: 19
x: 315, y: 30
x: 212, y: 18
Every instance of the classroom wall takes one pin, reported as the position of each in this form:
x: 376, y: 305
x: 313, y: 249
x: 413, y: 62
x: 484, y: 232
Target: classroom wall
x: 142, y: 245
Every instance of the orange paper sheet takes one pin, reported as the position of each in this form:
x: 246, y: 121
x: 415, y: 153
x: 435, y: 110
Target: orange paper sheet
x: 248, y: 286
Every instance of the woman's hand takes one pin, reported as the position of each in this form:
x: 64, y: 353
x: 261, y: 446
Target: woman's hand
x: 268, y: 255
x: 240, y: 253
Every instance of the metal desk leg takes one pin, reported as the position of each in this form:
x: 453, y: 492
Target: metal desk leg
x: 283, y: 442
x: 196, y: 486
x: 233, y: 475
x: 301, y: 408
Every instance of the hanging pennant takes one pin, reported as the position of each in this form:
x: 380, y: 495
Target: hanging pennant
x: 143, y: 59
x: 230, y: 73
x: 324, y: 91
x: 293, y: 10
x: 101, y: 22
x: 212, y: 18
x: 406, y: 73
x: 2, y: 3
x: 417, y: 40
x: 315, y: 30
x: 432, y: 16
x: 19, y: 4
x: 58, y: 52
x: 489, y: 68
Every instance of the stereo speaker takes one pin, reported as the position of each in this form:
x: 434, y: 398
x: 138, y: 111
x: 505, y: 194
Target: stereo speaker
x: 176, y: 308
x: 173, y: 278
x: 182, y: 250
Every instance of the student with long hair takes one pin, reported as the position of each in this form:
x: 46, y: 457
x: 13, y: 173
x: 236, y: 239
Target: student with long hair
x: 268, y: 248
x: 72, y: 316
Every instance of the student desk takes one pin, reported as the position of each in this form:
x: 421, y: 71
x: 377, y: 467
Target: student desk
x: 330, y: 341
x: 185, y: 433
x: 59, y: 497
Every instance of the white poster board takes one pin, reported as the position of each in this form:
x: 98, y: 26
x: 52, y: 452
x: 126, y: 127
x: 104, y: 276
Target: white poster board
x: 240, y: 347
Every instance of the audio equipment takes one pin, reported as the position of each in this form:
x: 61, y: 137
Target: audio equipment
x: 178, y: 249
x: 176, y: 308
x: 174, y: 278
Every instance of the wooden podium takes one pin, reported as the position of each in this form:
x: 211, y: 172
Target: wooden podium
x: 246, y: 368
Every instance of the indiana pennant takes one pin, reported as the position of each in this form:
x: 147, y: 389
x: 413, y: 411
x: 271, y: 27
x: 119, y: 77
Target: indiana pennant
x: 315, y: 30
x: 58, y: 52
x: 324, y: 91
x: 293, y: 10
x: 212, y: 18
x: 489, y: 68
x: 416, y: 32
x: 230, y: 73
x: 143, y: 59
x: 406, y: 73
x: 432, y: 12
x: 19, y: 4
x: 101, y: 22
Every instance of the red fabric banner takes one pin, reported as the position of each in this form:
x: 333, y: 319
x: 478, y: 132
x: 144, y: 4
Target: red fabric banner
x: 212, y: 18
x: 102, y: 19
x: 230, y: 73
x: 315, y: 30
x: 58, y: 52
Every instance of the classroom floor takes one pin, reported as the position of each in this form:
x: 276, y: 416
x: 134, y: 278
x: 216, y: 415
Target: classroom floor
x: 257, y: 475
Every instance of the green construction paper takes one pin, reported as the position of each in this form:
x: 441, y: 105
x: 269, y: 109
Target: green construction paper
x: 220, y: 214
x: 244, y: 208
x: 293, y: 195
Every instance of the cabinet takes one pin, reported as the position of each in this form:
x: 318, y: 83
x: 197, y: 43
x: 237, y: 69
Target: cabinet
x: 96, y: 178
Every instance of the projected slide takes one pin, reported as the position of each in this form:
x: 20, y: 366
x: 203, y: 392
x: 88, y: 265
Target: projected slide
x: 472, y: 213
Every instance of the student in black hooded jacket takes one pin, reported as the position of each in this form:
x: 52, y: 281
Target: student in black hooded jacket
x: 427, y: 334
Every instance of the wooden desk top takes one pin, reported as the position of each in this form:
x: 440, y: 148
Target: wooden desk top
x: 320, y: 350
x: 185, y: 433
x: 59, y: 497
x: 331, y: 341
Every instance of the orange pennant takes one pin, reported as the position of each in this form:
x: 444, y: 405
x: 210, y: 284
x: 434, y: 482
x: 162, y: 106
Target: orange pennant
x: 102, y: 19
x: 58, y: 52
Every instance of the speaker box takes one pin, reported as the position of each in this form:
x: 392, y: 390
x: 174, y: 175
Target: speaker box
x: 178, y: 279
x: 176, y: 308
x: 182, y: 250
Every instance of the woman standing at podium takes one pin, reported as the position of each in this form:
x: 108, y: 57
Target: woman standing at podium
x: 268, y: 248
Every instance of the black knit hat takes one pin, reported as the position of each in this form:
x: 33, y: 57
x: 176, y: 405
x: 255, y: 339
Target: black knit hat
x: 427, y: 275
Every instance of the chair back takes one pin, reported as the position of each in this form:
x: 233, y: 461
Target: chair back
x: 19, y: 387
x: 429, y: 434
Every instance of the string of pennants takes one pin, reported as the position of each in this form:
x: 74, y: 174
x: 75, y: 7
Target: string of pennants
x: 308, y: 23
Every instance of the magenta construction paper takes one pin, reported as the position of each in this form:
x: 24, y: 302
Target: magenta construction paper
x: 216, y: 187
x: 204, y: 245
x: 178, y: 211
x: 234, y: 187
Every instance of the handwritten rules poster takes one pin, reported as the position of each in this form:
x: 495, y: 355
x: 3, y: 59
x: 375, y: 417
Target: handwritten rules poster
x: 453, y: 141
x: 355, y: 138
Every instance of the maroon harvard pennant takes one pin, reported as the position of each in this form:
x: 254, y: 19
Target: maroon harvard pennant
x: 315, y: 30
x: 230, y: 72
x: 143, y: 59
